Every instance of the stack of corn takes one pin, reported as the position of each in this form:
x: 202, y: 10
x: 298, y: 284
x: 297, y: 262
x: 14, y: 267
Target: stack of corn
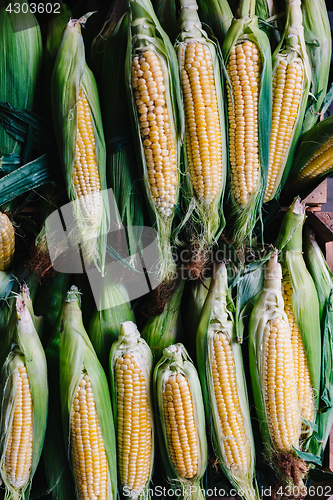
x: 183, y: 151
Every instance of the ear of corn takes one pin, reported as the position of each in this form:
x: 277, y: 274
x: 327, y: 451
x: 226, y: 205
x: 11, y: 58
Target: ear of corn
x: 302, y: 308
x: 223, y: 382
x: 7, y: 242
x: 131, y: 369
x: 164, y: 329
x: 21, y: 49
x: 318, y: 40
x: 24, y: 400
x: 121, y: 163
x: 272, y: 368
x: 181, y: 421
x: 86, y: 409
x: 79, y: 133
x: 323, y: 280
x: 247, y: 54
x: 314, y: 159
x: 154, y: 96
x: 104, y: 326
x: 205, y: 154
x: 291, y: 83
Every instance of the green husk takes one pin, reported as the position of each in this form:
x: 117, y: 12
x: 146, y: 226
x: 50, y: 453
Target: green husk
x: 98, y: 46
x: 307, y: 149
x: 130, y: 342
x: 318, y: 41
x: 323, y: 280
x: 164, y: 329
x: 324, y: 420
x: 21, y: 49
x: 192, y: 311
x: 55, y: 28
x: 71, y: 73
x: 205, y: 219
x: 291, y: 46
x: 176, y: 360
x: 145, y: 33
x: 166, y: 13
x: 121, y: 163
x: 21, y: 344
x: 57, y: 471
x: 320, y: 272
x: 49, y: 300
x: 217, y: 15
x: 218, y: 317
x: 104, y: 326
x: 77, y: 357
x: 246, y: 28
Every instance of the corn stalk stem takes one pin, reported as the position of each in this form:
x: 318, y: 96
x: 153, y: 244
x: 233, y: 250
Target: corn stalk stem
x: 247, y: 8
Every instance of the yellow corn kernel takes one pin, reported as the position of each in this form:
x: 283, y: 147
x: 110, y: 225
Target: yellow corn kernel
x: 280, y: 386
x: 18, y: 456
x: 287, y: 92
x: 134, y: 430
x: 304, y: 385
x: 235, y: 442
x: 244, y: 68
x: 155, y: 128
x: 202, y: 121
x: 180, y: 425
x: 88, y: 453
x: 319, y: 163
x: 7, y: 242
x: 85, y: 175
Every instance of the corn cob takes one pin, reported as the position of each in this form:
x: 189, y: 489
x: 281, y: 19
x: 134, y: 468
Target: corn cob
x: 24, y: 402
x: 302, y: 309
x: 313, y: 160
x: 246, y: 51
x: 86, y: 409
x: 7, y: 242
x: 181, y: 427
x: 291, y: 82
x: 21, y: 49
x: 154, y: 96
x: 318, y: 39
x: 131, y: 368
x: 273, y: 373
x: 77, y: 121
x: 223, y: 382
x: 205, y: 155
x: 323, y: 280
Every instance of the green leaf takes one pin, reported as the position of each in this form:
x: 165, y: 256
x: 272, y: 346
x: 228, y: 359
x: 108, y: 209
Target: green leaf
x: 308, y: 457
x: 30, y: 176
